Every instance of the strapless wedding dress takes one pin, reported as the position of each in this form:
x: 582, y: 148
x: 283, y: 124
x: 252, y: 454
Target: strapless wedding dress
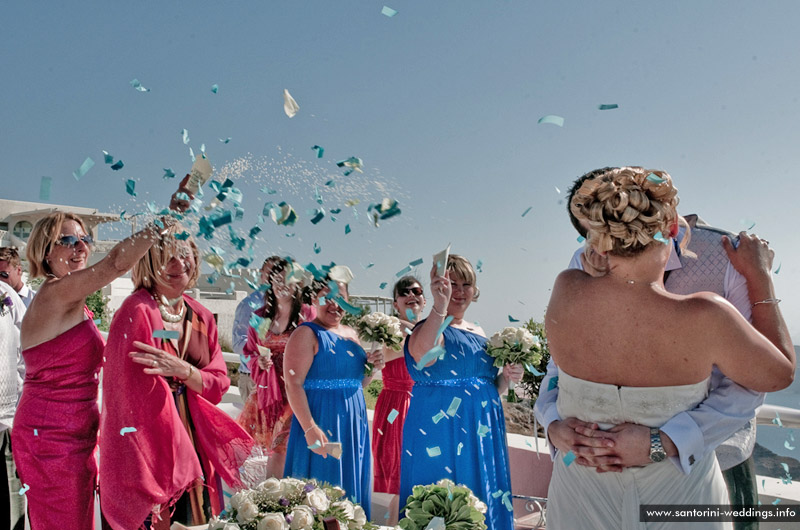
x: 581, y: 498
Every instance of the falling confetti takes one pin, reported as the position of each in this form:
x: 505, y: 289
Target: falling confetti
x: 44, y: 188
x: 138, y: 86
x: 552, y: 119
x: 185, y: 136
x: 290, y: 106
x: 118, y: 165
x: 661, y: 238
x: 608, y: 106
x: 388, y: 11
x: 225, y: 140
x: 23, y: 489
x: 215, y: 88
x: 319, y: 149
x: 392, y: 416
x: 166, y: 334
x: 130, y: 187
x: 526, y: 211
x: 433, y: 451
x: 125, y: 430
x: 512, y: 319
x: 569, y: 458
x: 168, y: 173
x: 652, y: 177
x: 85, y: 167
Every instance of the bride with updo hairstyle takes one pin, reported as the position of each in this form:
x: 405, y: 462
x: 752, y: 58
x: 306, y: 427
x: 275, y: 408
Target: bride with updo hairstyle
x: 630, y: 352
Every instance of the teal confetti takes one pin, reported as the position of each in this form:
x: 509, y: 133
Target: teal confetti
x: 410, y: 316
x: 138, y: 86
x: 346, y: 229
x: 317, y: 248
x: 130, y: 187
x: 581, y: 239
x: 331, y: 183
x: 661, y: 238
x: 388, y: 11
x: 107, y: 158
x: 226, y: 140
x: 483, y: 404
x: 459, y: 448
x: 417, y: 262
x: 393, y: 414
x: 569, y: 458
x: 747, y: 223
x: 383, y: 285
x: 497, y: 493
x: 788, y: 446
x: 353, y: 310
x: 429, y: 356
x: 652, y: 177
x: 526, y: 211
x: 439, y: 416
x: 453, y: 408
x: 552, y: 119
x: 512, y: 319
x: 433, y: 451
x: 403, y: 272
x: 44, y: 188
x: 85, y: 167
x: 221, y: 219
x: 315, y: 445
x: 320, y: 150
x: 779, y: 268
x: 214, y: 88
x: 268, y: 191
x: 532, y: 369
x: 776, y: 501
x: 507, y: 501
x: 36, y: 432
x: 97, y: 321
x: 168, y: 173
x: 125, y: 430
x: 368, y: 266
x: 166, y: 334
x: 24, y: 489
x: 483, y: 430
x: 608, y: 106
x: 443, y: 326
x: 183, y: 236
x: 553, y: 383
x: 185, y: 136
x: 319, y: 215
x: 118, y: 165
x: 191, y: 154
x: 479, y: 265
x: 335, y: 211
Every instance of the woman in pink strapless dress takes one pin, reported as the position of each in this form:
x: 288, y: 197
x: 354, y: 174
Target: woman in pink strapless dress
x: 387, y: 426
x: 55, y: 427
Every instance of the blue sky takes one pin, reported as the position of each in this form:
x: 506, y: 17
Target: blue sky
x: 441, y: 102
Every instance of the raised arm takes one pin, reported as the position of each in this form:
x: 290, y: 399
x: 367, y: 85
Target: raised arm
x: 425, y: 337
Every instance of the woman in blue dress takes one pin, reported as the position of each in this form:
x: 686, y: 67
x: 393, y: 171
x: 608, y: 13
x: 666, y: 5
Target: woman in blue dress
x: 323, y: 369
x: 455, y: 426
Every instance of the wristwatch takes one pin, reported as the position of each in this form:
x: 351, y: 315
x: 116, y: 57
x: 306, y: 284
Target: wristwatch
x: 657, y: 453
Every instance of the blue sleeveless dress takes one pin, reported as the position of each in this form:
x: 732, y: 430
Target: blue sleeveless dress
x: 464, y: 442
x: 336, y: 402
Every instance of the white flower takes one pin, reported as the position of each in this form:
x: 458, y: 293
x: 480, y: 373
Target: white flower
x: 272, y: 521
x: 215, y: 524
x: 247, y: 511
x: 318, y: 500
x: 476, y: 503
x: 496, y: 341
x: 239, y: 497
x: 359, y: 518
x: 290, y: 486
x: 347, y: 507
x: 271, y: 488
x: 302, y: 518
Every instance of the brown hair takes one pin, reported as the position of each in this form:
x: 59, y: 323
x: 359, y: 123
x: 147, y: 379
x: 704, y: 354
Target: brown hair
x: 404, y: 283
x: 46, y: 232
x: 147, y: 270
x: 10, y: 255
x: 625, y: 210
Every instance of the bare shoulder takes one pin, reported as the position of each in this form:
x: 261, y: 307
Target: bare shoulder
x: 348, y: 332
x: 708, y: 307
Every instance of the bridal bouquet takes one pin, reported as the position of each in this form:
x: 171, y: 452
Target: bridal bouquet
x: 443, y: 505
x: 514, y: 346
x: 291, y: 504
x: 380, y: 329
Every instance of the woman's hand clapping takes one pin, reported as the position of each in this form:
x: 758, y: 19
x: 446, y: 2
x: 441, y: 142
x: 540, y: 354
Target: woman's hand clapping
x: 159, y: 362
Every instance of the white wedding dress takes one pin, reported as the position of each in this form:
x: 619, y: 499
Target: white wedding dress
x: 581, y: 498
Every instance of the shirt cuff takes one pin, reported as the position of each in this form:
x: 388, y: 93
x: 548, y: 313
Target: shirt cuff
x: 688, y: 438
x: 546, y: 418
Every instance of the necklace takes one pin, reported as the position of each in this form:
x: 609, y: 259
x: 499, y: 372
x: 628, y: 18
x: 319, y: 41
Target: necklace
x: 166, y: 316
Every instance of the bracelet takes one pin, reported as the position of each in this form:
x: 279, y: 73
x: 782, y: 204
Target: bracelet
x: 766, y: 301
x: 434, y: 311
x: 312, y: 426
x: 191, y: 371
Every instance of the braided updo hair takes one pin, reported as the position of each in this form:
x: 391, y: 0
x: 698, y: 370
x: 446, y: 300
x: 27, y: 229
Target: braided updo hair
x: 625, y: 210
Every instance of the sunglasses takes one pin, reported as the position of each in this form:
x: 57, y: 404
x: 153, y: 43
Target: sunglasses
x: 415, y: 290
x: 4, y: 275
x: 72, y: 241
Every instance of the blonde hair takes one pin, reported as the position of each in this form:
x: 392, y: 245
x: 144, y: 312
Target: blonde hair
x: 46, y: 232
x: 461, y: 267
x: 625, y: 210
x: 147, y: 271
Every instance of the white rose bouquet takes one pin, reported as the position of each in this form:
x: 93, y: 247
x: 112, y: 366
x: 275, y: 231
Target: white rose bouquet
x: 514, y: 346
x: 379, y: 329
x: 290, y: 504
x: 453, y: 505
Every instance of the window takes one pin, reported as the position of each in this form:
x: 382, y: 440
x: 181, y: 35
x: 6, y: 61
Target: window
x: 22, y: 230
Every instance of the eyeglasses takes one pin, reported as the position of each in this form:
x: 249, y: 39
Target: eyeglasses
x: 415, y: 290
x: 4, y: 275
x: 72, y: 241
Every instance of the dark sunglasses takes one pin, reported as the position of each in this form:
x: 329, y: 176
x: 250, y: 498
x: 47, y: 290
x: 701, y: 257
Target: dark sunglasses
x: 72, y: 241
x: 416, y: 290
x: 4, y: 275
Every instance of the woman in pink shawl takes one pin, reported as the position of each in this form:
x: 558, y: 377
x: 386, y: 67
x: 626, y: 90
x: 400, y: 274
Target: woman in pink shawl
x: 55, y: 428
x: 164, y: 445
x: 267, y: 415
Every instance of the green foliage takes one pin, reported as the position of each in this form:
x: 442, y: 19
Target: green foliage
x: 372, y: 392
x: 531, y: 382
x: 98, y: 304
x: 459, y: 508
x: 352, y: 320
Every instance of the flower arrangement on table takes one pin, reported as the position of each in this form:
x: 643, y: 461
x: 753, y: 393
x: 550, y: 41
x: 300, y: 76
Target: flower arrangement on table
x: 515, y: 346
x: 380, y: 330
x: 291, y: 504
x: 443, y: 505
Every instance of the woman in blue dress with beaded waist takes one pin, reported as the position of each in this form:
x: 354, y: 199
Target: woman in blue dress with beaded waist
x: 455, y: 426
x: 323, y: 369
